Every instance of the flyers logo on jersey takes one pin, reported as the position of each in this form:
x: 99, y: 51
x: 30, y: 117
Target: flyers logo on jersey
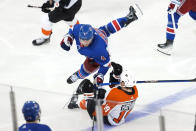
x: 103, y: 58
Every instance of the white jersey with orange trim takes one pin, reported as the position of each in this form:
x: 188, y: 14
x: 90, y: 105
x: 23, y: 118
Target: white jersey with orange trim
x: 118, y: 105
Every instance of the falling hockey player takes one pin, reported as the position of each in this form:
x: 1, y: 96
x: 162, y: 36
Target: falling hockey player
x: 117, y: 103
x: 93, y: 43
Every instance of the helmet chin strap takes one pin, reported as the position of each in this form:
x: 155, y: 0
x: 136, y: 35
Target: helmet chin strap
x: 127, y: 92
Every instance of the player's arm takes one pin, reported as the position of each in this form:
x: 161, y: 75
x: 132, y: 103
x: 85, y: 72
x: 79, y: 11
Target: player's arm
x: 104, y: 67
x: 67, y: 40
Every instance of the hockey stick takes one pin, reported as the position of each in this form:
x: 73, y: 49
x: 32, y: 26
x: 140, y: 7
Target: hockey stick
x: 166, y: 81
x: 153, y: 81
x: 173, y: 19
x: 32, y: 6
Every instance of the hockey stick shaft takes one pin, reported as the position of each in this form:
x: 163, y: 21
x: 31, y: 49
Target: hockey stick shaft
x: 32, y: 6
x: 166, y: 81
x: 154, y: 81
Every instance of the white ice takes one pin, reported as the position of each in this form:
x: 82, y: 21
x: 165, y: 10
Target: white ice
x: 40, y: 73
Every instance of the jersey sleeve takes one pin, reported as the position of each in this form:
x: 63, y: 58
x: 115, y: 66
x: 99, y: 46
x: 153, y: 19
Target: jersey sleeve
x: 113, y: 26
x: 104, y: 64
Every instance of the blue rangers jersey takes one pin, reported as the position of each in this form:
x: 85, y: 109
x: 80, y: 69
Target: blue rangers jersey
x: 98, y: 49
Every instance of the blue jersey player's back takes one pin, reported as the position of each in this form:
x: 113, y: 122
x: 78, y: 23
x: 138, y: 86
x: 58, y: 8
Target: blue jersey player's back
x: 32, y: 112
x: 34, y: 127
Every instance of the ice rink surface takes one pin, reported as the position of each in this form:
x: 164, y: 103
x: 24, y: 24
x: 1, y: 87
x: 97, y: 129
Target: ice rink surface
x: 40, y: 73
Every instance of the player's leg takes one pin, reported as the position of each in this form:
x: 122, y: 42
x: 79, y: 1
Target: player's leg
x: 172, y: 26
x: 192, y: 14
x: 89, y: 66
x: 84, y: 91
x: 46, y: 30
x: 55, y: 16
x: 70, y: 18
x: 174, y: 15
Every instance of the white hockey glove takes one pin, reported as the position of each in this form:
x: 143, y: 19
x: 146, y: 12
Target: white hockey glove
x: 67, y: 41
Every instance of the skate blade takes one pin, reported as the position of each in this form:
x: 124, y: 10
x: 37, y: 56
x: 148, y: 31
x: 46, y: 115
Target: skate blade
x: 164, y: 52
x: 138, y: 10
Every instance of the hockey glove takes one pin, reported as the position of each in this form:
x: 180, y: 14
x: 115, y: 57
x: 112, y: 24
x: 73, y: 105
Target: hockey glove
x: 67, y: 41
x: 173, y: 6
x: 117, y: 68
x: 86, y: 86
x: 46, y: 6
x: 113, y: 79
x: 98, y: 79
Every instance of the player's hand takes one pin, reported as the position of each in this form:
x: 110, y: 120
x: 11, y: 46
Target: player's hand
x: 66, y: 42
x: 46, y: 6
x: 173, y: 6
x: 98, y: 79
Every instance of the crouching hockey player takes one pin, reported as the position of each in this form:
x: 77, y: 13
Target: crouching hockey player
x: 32, y: 112
x: 93, y: 43
x: 118, y: 102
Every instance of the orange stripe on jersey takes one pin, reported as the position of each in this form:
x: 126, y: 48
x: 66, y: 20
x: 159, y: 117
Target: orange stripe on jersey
x: 46, y: 32
x: 117, y: 120
x: 116, y: 25
x: 170, y: 30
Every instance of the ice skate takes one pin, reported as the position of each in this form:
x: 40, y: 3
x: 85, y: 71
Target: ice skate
x: 73, y: 78
x: 166, y: 48
x: 134, y: 12
x: 40, y: 41
x: 72, y: 104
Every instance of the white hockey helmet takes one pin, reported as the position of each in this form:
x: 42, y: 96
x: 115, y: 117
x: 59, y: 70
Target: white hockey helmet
x: 127, y: 78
